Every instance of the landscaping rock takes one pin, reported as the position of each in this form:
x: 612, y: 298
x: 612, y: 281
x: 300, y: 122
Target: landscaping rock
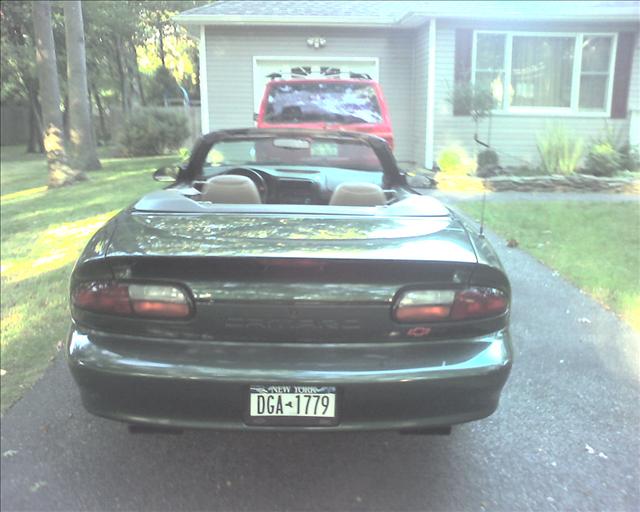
x: 573, y: 183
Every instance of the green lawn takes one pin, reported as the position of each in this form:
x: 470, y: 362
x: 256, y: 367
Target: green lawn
x: 596, y: 246
x: 42, y: 233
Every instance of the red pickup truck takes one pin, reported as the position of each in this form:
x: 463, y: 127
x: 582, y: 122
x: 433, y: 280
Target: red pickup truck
x: 338, y: 104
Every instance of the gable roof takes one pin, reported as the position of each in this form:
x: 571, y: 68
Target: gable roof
x: 400, y: 13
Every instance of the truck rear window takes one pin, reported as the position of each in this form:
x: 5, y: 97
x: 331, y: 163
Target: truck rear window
x: 322, y: 102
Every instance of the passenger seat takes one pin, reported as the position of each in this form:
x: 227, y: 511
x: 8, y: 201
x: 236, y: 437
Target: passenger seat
x: 358, y: 194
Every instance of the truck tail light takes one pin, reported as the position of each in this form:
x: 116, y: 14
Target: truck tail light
x: 143, y: 300
x: 417, y: 306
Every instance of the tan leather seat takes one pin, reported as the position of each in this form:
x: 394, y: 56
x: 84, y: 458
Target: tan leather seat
x: 231, y: 189
x: 358, y: 194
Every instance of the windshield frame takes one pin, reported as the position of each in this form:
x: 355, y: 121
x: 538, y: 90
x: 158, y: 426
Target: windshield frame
x: 195, y: 166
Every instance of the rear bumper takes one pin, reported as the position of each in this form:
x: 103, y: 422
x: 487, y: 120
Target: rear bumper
x: 190, y: 384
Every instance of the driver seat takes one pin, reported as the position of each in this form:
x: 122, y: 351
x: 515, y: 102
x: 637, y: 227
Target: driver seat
x: 231, y: 189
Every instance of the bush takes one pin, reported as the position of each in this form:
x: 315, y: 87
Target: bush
x: 560, y: 153
x: 488, y: 157
x: 152, y: 131
x: 608, y: 154
x: 630, y: 158
x: 454, y: 160
x: 603, y: 160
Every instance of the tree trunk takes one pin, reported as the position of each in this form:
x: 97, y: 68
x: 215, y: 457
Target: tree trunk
x: 161, y: 45
x: 83, y: 144
x: 132, y: 74
x: 103, y: 126
x: 124, y: 96
x: 59, y: 171
x: 35, y: 144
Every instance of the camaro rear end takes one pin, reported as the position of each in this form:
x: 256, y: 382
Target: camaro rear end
x: 276, y: 317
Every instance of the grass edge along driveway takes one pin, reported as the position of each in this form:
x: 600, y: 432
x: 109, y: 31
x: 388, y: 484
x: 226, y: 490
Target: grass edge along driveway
x: 594, y: 245
x: 42, y: 233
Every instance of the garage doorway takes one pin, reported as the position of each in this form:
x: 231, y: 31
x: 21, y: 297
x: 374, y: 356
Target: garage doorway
x: 314, y: 66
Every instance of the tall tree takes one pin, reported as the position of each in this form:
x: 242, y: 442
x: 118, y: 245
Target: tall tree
x: 83, y: 144
x: 59, y: 171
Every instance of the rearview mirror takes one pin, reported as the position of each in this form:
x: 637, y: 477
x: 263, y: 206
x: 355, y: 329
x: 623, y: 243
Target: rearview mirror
x: 169, y: 173
x: 291, y: 143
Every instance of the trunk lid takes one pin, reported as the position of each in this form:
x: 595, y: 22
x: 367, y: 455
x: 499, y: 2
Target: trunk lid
x: 275, y: 278
x: 291, y: 236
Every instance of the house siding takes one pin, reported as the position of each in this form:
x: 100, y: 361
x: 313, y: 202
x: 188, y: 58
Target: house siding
x: 634, y: 97
x: 230, y: 52
x: 512, y: 136
x: 421, y: 70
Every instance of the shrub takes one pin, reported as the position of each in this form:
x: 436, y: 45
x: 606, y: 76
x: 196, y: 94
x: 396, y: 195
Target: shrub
x: 560, y: 152
x: 454, y: 160
x: 608, y: 154
x: 630, y: 158
x: 487, y: 157
x: 602, y: 160
x: 153, y: 131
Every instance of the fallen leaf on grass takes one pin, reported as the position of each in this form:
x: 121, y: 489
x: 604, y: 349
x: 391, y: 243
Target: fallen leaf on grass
x: 35, y: 487
x: 512, y: 242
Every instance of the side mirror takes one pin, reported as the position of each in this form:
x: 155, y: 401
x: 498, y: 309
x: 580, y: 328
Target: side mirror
x: 167, y: 173
x: 255, y: 116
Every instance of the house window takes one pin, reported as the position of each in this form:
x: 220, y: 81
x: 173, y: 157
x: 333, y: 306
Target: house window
x: 528, y: 72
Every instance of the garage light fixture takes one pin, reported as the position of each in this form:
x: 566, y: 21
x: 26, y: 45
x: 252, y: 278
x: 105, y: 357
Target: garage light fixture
x: 316, y: 42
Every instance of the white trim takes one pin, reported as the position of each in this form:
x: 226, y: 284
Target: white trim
x: 507, y: 68
x: 204, y: 91
x: 341, y: 21
x: 314, y: 58
x: 429, y: 157
x: 258, y: 82
x: 546, y: 112
x: 612, y: 70
x: 576, y: 73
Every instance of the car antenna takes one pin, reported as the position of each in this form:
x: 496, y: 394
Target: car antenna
x: 484, y: 202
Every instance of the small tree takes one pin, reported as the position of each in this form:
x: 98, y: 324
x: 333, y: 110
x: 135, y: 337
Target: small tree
x: 477, y: 102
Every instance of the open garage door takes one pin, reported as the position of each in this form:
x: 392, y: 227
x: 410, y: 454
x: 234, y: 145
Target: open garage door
x: 286, y: 66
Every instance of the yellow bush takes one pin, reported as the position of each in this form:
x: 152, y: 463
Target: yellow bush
x: 454, y: 161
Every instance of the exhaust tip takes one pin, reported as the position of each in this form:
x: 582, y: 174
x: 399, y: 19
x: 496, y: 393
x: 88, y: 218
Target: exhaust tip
x: 435, y: 431
x: 148, y: 429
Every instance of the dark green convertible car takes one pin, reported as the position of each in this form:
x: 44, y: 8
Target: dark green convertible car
x: 289, y: 280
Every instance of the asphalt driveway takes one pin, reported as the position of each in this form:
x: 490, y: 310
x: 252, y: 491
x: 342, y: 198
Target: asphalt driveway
x: 565, y: 437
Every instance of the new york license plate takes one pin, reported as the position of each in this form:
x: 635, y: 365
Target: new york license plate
x: 292, y: 404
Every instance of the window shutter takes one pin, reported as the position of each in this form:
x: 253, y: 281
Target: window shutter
x: 622, y: 74
x: 464, y: 43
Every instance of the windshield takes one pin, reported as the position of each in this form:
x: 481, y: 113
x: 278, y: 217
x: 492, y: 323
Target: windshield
x: 276, y: 151
x: 344, y: 103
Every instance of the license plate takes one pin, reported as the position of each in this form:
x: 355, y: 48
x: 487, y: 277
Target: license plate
x: 292, y: 404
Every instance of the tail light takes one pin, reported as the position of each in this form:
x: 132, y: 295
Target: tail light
x: 439, y: 305
x: 144, y: 300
